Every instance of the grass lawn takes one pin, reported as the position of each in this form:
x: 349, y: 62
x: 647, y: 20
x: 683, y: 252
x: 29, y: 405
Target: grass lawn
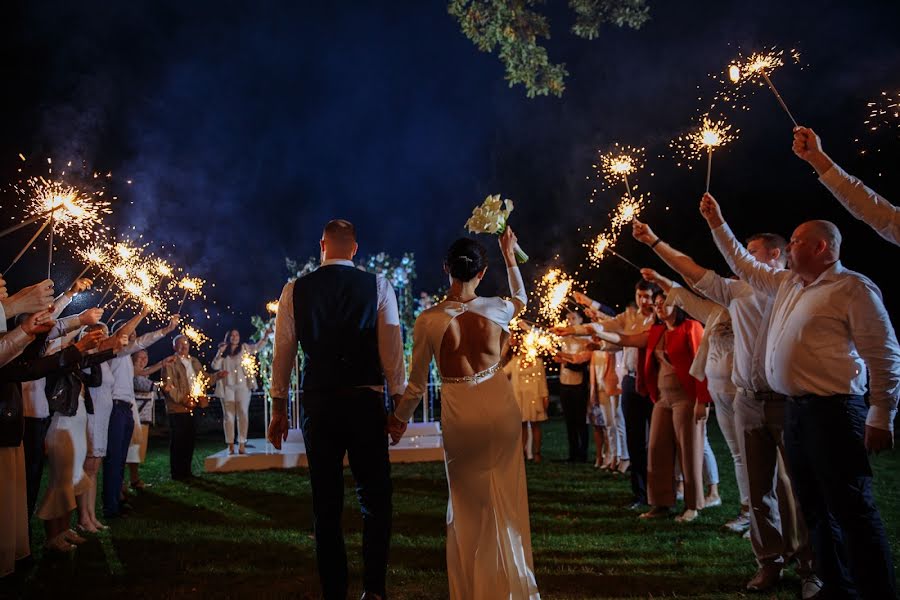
x: 249, y: 535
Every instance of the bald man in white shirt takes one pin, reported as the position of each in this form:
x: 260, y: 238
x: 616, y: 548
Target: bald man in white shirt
x: 828, y: 327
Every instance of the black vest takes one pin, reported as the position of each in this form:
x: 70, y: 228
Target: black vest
x: 336, y: 314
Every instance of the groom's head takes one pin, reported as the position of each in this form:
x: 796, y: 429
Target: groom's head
x: 338, y: 240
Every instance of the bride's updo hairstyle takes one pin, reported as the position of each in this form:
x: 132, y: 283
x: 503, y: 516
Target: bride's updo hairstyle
x: 466, y: 258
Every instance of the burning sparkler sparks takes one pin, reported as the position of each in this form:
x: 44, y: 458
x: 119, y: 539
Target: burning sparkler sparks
x: 536, y: 342
x: 197, y: 337
x: 190, y: 285
x: 884, y: 112
x: 759, y: 66
x: 199, y: 384
x: 619, y: 163
x: 627, y: 209
x: 602, y: 244
x: 554, y: 288
x: 250, y: 366
x: 272, y: 307
x: 709, y: 136
x: 73, y: 212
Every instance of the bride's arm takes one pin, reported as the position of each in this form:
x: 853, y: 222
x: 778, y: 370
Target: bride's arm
x: 418, y: 376
x: 519, y: 297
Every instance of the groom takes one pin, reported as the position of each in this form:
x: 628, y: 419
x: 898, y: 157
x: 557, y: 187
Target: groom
x: 348, y: 326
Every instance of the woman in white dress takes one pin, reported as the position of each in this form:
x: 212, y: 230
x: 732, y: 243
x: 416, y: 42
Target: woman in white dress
x: 234, y: 389
x: 488, y: 530
x: 529, y: 381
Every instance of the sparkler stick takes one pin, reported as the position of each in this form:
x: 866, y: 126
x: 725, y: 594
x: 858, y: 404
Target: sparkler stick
x: 708, y: 166
x: 50, y: 248
x: 115, y: 312
x: 25, y: 248
x: 778, y: 97
x: 108, y: 290
x: 181, y: 304
x: 24, y: 223
x: 614, y: 253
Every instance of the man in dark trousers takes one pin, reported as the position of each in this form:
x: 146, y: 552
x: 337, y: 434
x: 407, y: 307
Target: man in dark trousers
x: 347, y: 323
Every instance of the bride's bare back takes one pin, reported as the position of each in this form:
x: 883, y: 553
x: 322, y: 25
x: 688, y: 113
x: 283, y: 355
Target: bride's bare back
x: 471, y: 344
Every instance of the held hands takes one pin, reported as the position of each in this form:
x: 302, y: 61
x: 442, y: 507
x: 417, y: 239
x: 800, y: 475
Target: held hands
x: 642, y: 232
x: 79, y: 286
x: 114, y: 342
x: 711, y: 211
x: 278, y: 429
x: 173, y: 323
x: 32, y: 299
x: 650, y: 275
x: 581, y: 299
x: 508, y: 241
x: 221, y: 375
x: 878, y: 440
x: 808, y: 146
x: 90, y: 316
x: 37, y: 323
x: 4, y: 293
x: 701, y: 412
x: 89, y: 341
x: 168, y: 360
x: 395, y: 428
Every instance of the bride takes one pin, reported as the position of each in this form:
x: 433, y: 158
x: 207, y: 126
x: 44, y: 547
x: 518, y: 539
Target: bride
x: 488, y: 532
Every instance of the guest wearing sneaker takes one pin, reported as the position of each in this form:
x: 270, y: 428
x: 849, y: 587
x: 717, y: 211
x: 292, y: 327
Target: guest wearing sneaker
x: 680, y: 409
x: 777, y: 532
x: 529, y: 382
x: 829, y: 329
x: 235, y: 388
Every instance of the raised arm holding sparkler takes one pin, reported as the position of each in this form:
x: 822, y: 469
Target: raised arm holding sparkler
x: 863, y: 203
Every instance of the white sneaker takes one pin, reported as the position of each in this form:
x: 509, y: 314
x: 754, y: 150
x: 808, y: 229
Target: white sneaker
x: 810, y: 586
x: 739, y: 524
x: 712, y: 502
x: 746, y: 535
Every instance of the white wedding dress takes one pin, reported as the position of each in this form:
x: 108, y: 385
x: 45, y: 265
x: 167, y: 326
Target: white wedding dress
x: 488, y: 530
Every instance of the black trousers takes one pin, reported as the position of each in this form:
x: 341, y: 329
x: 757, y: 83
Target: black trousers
x: 33, y: 443
x: 637, y: 410
x: 832, y: 478
x: 574, y: 400
x: 348, y: 421
x: 182, y: 434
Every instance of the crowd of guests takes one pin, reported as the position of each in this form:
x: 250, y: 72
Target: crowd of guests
x: 800, y: 361
x: 77, y: 398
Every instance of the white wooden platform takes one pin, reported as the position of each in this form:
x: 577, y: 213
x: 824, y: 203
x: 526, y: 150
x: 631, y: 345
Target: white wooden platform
x: 422, y: 443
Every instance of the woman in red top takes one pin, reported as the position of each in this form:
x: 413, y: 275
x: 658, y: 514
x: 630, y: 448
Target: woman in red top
x: 680, y: 407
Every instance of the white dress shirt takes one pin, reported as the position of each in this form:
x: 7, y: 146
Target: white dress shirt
x: 750, y: 310
x: 390, y: 341
x: 188, y: 367
x: 822, y: 336
x: 34, y: 393
x: 122, y: 367
x: 864, y: 203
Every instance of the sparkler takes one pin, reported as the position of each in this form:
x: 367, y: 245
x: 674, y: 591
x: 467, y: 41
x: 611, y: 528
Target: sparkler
x: 554, y: 287
x: 627, y: 209
x: 620, y: 163
x: 24, y: 223
x: 26, y: 246
x: 71, y: 211
x: 250, y: 366
x: 199, y: 385
x: 704, y: 140
x: 272, y: 307
x: 190, y: 285
x: 601, y: 245
x: 761, y: 64
x: 197, y: 337
x: 93, y: 256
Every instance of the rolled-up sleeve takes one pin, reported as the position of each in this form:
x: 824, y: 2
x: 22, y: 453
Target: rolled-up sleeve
x: 875, y: 340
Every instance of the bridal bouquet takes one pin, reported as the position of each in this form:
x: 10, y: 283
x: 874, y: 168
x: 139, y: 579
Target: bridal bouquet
x: 491, y: 217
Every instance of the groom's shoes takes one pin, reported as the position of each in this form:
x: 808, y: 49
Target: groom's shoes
x: 370, y: 596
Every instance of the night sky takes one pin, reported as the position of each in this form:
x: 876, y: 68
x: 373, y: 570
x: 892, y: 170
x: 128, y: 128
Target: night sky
x: 246, y: 126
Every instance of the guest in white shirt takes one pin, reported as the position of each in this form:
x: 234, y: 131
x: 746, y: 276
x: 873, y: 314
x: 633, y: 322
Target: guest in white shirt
x: 778, y: 534
x: 828, y: 328
x: 863, y: 203
x: 234, y: 389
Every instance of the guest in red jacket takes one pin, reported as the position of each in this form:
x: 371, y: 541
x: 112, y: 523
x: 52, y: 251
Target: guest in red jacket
x: 680, y: 407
